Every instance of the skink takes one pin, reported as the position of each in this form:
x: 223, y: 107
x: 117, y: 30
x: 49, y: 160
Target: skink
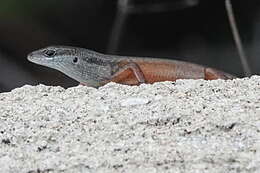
x: 96, y: 69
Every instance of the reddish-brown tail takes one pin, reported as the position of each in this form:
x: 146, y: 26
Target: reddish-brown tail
x: 212, y: 74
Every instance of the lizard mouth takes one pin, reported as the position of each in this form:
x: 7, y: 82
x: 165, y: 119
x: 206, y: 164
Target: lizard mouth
x: 39, y: 60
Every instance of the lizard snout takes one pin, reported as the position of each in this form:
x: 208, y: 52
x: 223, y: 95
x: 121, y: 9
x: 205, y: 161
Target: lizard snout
x: 30, y: 56
x: 37, y: 58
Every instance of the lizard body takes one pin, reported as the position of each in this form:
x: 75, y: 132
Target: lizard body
x: 95, y: 69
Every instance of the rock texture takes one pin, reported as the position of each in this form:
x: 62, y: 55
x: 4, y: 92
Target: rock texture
x: 192, y: 126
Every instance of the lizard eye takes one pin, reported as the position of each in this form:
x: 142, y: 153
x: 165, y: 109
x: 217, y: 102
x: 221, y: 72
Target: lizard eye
x: 75, y: 60
x: 49, y: 53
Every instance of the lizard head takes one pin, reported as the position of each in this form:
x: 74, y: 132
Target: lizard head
x: 86, y: 66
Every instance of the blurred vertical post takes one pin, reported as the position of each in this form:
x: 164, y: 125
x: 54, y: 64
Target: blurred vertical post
x: 118, y: 25
x: 126, y: 7
x: 237, y: 39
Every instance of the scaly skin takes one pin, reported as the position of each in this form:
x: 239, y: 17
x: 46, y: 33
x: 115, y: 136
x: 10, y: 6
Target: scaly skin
x: 95, y: 69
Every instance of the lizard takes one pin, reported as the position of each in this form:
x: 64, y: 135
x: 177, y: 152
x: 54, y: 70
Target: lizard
x: 95, y: 69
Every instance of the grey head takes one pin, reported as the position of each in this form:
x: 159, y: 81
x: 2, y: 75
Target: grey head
x: 86, y: 66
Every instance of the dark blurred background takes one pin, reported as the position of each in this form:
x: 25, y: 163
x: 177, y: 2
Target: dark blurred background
x: 190, y: 30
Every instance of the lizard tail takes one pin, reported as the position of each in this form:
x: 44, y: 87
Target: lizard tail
x: 212, y: 74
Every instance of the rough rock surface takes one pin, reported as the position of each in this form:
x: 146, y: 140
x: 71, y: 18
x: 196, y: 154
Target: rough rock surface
x: 191, y: 126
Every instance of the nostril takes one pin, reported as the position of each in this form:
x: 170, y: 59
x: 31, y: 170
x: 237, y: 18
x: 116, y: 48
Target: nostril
x: 29, y: 56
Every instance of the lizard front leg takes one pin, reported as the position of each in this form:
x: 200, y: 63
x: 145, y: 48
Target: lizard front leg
x: 129, y: 73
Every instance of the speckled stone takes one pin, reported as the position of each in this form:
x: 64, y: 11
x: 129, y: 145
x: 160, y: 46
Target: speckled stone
x: 192, y: 126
